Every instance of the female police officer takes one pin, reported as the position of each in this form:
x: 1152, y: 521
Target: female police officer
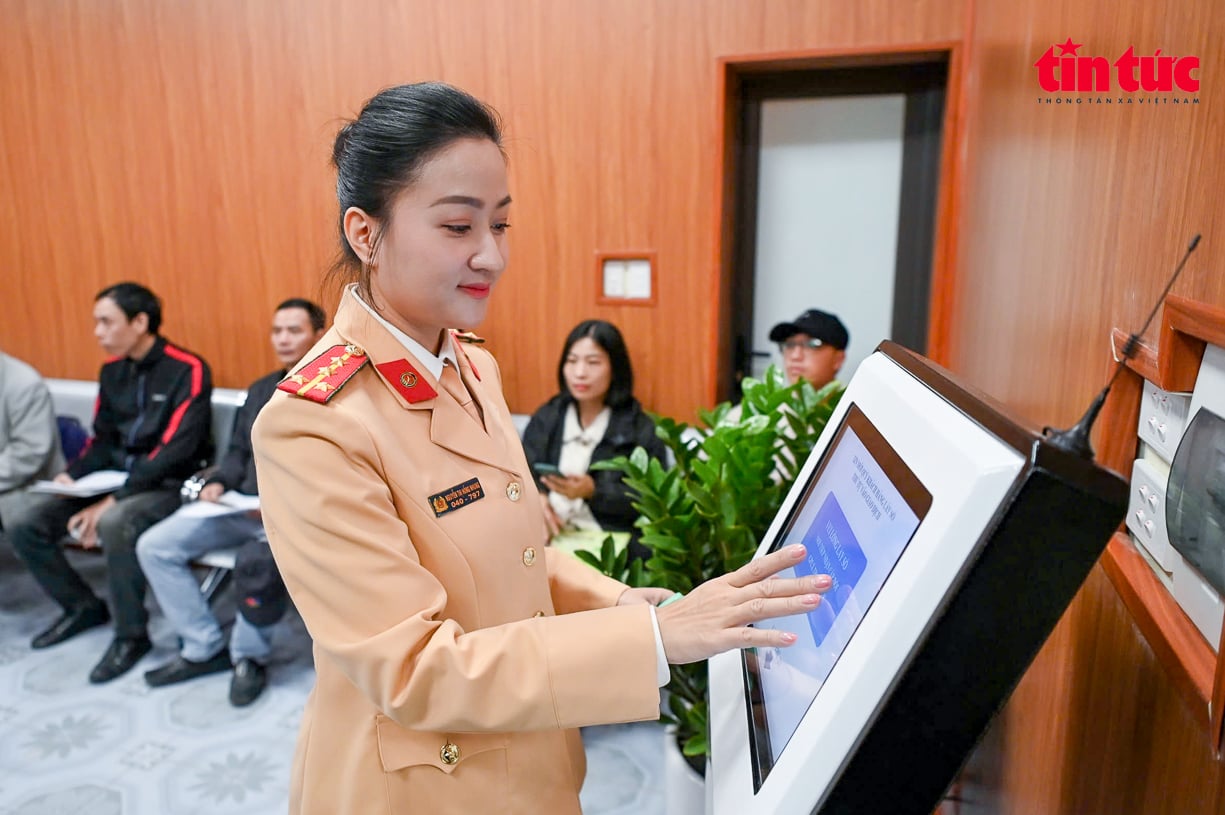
x: 454, y: 655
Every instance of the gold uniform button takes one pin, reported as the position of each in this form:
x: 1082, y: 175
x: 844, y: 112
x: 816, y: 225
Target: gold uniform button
x: 538, y: 614
x: 513, y: 490
x: 449, y: 753
x: 529, y: 556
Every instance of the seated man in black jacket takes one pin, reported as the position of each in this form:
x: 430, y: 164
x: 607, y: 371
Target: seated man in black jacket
x: 153, y: 421
x: 167, y: 549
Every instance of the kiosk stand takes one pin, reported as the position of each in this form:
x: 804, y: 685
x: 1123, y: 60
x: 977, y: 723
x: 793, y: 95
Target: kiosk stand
x: 956, y: 537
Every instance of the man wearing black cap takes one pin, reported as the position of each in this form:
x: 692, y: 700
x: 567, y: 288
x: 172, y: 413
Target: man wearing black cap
x: 813, y: 346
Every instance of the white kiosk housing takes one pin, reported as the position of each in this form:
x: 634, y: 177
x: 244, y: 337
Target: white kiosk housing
x: 956, y: 539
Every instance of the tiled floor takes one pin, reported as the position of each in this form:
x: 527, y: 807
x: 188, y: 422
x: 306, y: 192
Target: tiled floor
x: 68, y: 747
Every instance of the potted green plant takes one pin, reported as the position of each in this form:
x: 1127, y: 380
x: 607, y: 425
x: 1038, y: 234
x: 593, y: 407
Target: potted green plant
x: 705, y: 514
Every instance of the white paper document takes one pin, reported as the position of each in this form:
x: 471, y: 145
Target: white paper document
x: 87, y: 486
x: 229, y: 503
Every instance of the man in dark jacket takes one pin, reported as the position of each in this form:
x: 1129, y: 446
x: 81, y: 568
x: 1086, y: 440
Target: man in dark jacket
x: 152, y: 422
x: 216, y: 521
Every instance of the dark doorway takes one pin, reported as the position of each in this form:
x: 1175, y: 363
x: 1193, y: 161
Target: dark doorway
x: 922, y: 78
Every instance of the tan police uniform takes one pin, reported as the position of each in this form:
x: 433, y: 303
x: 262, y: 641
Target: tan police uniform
x: 451, y: 669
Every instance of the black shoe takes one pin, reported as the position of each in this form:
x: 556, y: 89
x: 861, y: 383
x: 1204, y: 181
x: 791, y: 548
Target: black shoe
x: 248, y: 682
x: 123, y: 653
x: 72, y: 623
x: 180, y: 669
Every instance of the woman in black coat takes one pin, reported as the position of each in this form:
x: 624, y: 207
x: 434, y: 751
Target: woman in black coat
x: 595, y: 417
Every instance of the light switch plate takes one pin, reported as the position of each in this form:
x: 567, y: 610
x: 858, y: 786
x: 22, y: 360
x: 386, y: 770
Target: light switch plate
x: 1146, y: 513
x: 1163, y: 418
x: 626, y: 278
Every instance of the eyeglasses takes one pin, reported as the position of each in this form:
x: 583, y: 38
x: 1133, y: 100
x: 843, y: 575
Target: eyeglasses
x: 787, y: 346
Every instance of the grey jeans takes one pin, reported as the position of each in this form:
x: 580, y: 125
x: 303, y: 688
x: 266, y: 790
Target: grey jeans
x: 165, y: 552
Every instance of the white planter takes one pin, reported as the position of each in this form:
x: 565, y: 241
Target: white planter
x: 684, y: 787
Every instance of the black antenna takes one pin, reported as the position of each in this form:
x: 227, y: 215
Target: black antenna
x: 1075, y: 439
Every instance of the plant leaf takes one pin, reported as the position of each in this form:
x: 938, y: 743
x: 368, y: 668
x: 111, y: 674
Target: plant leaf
x: 704, y: 515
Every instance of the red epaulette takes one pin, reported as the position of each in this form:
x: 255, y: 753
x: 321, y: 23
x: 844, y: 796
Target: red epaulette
x: 406, y: 380
x: 323, y: 377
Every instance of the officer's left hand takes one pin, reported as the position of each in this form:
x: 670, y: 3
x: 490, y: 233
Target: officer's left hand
x: 719, y: 614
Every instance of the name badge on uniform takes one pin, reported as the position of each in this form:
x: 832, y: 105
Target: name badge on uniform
x: 456, y: 497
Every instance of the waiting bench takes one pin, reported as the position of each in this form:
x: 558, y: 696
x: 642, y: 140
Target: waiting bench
x: 77, y: 398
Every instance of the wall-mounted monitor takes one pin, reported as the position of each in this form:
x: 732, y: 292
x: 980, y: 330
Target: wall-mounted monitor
x: 1195, y: 498
x: 956, y: 538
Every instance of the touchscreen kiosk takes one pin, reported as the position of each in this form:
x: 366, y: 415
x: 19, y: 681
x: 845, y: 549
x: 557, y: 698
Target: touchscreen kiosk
x: 955, y: 537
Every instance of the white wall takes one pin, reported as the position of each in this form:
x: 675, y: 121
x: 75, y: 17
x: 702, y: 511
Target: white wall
x: 828, y: 188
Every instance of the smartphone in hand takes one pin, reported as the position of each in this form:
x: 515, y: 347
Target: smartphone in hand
x: 545, y: 468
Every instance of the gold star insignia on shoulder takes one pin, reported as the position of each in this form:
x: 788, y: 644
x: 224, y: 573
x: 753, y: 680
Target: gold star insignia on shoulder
x: 343, y: 361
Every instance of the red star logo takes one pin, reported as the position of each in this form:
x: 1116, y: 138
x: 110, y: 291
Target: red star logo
x: 1068, y: 47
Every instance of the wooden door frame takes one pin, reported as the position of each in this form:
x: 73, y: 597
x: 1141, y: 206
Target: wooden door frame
x: 728, y: 88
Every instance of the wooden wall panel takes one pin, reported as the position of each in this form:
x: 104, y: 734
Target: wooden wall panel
x: 185, y: 145
x: 1073, y: 217
x: 1095, y: 727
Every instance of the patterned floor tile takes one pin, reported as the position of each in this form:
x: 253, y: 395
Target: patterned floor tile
x: 68, y: 747
x: 96, y: 799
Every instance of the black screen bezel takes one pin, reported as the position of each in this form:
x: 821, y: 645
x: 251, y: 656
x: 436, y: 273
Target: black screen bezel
x: 917, y: 498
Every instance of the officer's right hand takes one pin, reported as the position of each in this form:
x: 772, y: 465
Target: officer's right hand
x: 715, y: 616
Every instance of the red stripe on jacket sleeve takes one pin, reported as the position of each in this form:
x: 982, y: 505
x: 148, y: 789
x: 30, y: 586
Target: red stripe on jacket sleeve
x: 89, y: 442
x: 197, y: 384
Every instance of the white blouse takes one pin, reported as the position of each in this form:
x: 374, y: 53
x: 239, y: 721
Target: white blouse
x: 577, y: 445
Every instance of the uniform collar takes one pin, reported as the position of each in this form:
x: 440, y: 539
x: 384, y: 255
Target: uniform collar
x: 406, y: 370
x: 432, y: 363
